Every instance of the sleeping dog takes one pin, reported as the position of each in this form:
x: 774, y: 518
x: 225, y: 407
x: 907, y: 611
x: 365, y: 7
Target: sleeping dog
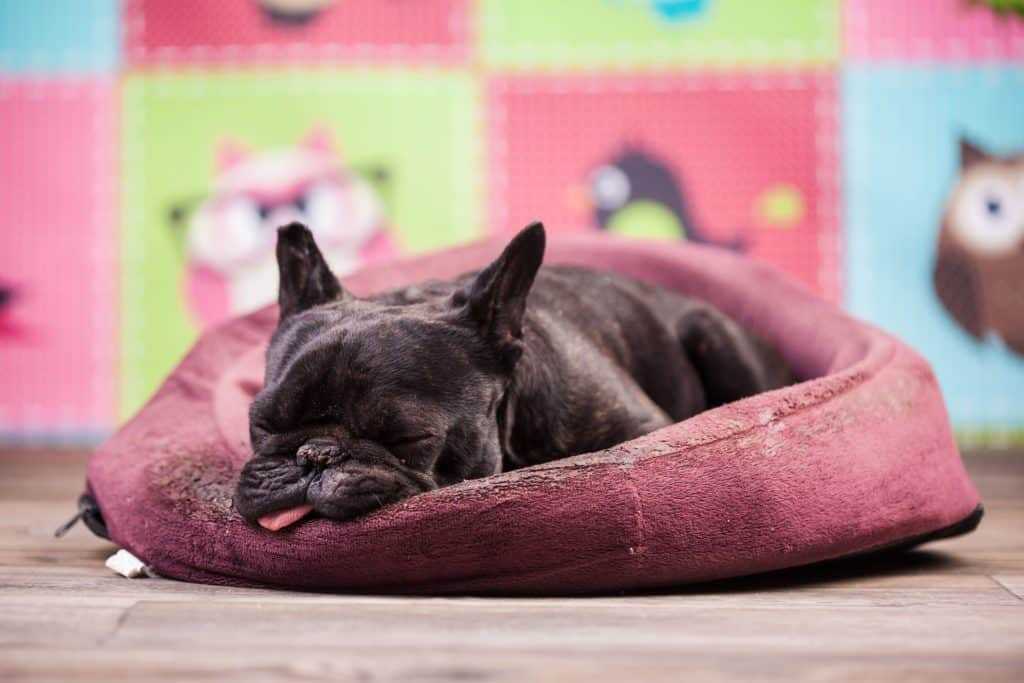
x: 368, y: 401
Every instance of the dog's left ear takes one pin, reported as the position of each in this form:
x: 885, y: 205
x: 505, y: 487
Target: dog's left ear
x: 305, y: 278
x: 495, y: 300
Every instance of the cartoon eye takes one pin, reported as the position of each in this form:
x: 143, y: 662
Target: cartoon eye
x: 241, y: 227
x: 610, y: 187
x: 323, y: 205
x: 989, y: 216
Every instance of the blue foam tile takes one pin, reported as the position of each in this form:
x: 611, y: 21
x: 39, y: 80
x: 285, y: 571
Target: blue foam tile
x: 901, y: 133
x: 59, y: 36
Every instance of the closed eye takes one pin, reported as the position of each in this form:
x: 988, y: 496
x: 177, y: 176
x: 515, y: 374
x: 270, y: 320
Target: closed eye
x: 413, y: 450
x: 413, y: 439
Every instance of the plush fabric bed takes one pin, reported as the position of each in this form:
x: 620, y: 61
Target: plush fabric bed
x: 857, y: 457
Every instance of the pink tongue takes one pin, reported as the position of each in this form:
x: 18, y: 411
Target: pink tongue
x: 276, y: 521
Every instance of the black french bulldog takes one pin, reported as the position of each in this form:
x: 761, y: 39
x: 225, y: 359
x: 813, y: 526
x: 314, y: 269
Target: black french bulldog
x: 370, y: 401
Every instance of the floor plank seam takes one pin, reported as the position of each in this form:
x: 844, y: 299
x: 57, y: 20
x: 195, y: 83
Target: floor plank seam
x: 1006, y: 588
x: 121, y: 620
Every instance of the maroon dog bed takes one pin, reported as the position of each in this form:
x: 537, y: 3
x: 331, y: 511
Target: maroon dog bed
x: 857, y: 457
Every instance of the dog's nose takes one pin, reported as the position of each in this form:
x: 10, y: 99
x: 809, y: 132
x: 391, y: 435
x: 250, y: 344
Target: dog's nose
x: 317, y: 453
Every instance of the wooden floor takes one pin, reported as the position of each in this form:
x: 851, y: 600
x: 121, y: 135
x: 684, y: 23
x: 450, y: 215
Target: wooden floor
x: 954, y: 611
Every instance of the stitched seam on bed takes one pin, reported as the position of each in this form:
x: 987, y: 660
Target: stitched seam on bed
x: 639, y: 544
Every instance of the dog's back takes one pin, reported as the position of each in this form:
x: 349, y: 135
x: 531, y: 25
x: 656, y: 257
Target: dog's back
x: 606, y: 359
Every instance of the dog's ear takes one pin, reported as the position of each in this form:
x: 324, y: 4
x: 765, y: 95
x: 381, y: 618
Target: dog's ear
x: 305, y: 278
x: 495, y: 300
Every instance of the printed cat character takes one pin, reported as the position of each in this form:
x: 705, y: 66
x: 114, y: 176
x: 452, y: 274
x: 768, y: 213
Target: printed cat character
x: 230, y: 239
x: 979, y: 270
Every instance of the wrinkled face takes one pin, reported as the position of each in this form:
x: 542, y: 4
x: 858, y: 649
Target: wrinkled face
x: 367, y: 404
x: 370, y: 401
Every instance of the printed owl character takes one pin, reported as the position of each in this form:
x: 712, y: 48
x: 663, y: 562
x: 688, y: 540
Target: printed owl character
x: 979, y: 269
x: 636, y: 193
x: 229, y: 244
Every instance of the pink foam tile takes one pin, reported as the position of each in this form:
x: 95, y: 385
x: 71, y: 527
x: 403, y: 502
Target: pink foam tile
x: 931, y: 30
x: 259, y: 31
x: 729, y: 139
x: 57, y: 349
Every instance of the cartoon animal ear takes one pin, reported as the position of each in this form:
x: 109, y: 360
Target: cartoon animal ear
x: 319, y: 139
x: 495, y: 300
x: 230, y: 153
x: 970, y: 154
x: 305, y: 278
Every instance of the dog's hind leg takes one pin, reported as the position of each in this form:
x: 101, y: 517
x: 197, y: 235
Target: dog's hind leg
x: 731, y: 362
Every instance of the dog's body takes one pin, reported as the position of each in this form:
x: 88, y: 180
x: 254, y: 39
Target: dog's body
x: 368, y: 401
x: 604, y: 361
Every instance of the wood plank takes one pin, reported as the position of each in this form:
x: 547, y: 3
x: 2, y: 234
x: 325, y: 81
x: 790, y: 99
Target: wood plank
x: 632, y: 629
x: 56, y: 624
x: 975, y: 591
x: 486, y: 665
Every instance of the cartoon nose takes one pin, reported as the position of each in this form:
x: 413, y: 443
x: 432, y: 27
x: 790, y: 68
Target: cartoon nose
x: 284, y: 215
x: 317, y: 453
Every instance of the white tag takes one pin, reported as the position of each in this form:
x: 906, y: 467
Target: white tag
x: 127, y: 565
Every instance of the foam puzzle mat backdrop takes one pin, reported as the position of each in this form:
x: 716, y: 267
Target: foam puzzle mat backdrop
x: 151, y: 147
x: 57, y: 342
x: 909, y: 186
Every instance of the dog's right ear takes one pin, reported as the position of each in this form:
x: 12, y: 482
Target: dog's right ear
x: 305, y: 278
x: 495, y: 300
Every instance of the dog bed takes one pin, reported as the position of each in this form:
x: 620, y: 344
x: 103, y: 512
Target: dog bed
x: 857, y: 457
